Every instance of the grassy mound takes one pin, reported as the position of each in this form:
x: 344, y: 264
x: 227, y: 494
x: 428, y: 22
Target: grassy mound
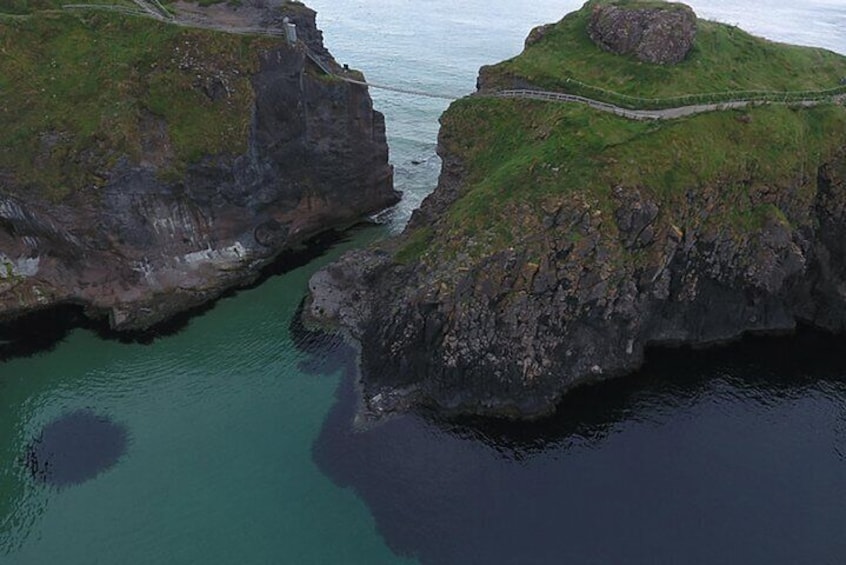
x: 527, y: 158
x: 724, y: 59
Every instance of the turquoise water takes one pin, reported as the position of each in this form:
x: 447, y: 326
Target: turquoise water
x: 218, y: 469
x: 239, y: 453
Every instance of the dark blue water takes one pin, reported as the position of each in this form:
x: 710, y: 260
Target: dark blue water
x: 729, y: 456
x: 733, y: 456
x: 75, y: 447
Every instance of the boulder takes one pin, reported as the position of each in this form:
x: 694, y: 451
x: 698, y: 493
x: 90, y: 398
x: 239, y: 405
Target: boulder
x: 661, y: 34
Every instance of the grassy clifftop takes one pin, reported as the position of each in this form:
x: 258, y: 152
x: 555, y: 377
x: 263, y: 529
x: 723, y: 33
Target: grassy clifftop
x: 726, y: 172
x: 82, y: 89
x: 30, y: 6
x: 526, y: 159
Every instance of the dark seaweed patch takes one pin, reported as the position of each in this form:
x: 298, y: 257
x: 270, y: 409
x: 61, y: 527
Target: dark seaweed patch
x: 74, y: 448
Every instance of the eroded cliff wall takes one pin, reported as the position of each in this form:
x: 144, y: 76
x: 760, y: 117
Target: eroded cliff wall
x: 142, y: 227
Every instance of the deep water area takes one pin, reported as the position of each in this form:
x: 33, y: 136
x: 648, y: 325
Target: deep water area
x: 74, y: 448
x: 715, y: 456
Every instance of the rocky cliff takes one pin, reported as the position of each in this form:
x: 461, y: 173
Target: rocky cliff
x: 562, y: 242
x: 146, y: 168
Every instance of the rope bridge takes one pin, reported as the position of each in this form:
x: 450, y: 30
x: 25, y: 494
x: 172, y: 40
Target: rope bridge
x: 154, y: 9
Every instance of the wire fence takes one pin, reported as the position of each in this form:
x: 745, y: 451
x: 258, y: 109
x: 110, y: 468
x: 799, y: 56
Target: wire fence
x: 573, y: 86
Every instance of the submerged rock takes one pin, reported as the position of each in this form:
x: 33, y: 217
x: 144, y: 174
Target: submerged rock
x: 75, y: 448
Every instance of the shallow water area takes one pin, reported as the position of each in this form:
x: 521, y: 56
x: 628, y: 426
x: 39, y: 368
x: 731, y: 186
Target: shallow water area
x: 220, y: 421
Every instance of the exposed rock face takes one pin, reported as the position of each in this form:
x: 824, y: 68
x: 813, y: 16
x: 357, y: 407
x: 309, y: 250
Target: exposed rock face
x: 537, y: 34
x: 662, y: 35
x: 529, y: 272
x: 145, y: 246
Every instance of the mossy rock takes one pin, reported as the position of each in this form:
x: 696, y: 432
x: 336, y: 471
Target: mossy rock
x: 723, y: 60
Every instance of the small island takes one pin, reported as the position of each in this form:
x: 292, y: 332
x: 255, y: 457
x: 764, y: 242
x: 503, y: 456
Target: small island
x: 680, y: 181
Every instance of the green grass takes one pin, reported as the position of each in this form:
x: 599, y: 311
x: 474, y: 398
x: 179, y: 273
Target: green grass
x: 723, y: 59
x: 414, y: 246
x: 525, y: 158
x: 31, y: 6
x: 75, y: 88
x: 212, y: 2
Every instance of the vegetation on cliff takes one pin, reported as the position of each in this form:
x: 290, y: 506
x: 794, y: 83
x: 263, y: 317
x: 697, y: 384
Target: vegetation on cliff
x: 80, y: 90
x: 147, y: 164
x: 527, y: 159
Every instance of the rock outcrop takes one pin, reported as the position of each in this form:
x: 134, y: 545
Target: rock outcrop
x: 149, y: 239
x: 662, y: 34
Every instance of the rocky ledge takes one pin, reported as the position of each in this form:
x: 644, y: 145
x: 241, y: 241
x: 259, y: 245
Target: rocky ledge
x: 208, y: 155
x: 561, y: 242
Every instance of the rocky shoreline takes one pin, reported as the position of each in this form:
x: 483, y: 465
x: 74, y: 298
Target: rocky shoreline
x: 512, y: 335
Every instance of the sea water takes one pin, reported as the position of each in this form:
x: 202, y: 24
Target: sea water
x: 227, y: 443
